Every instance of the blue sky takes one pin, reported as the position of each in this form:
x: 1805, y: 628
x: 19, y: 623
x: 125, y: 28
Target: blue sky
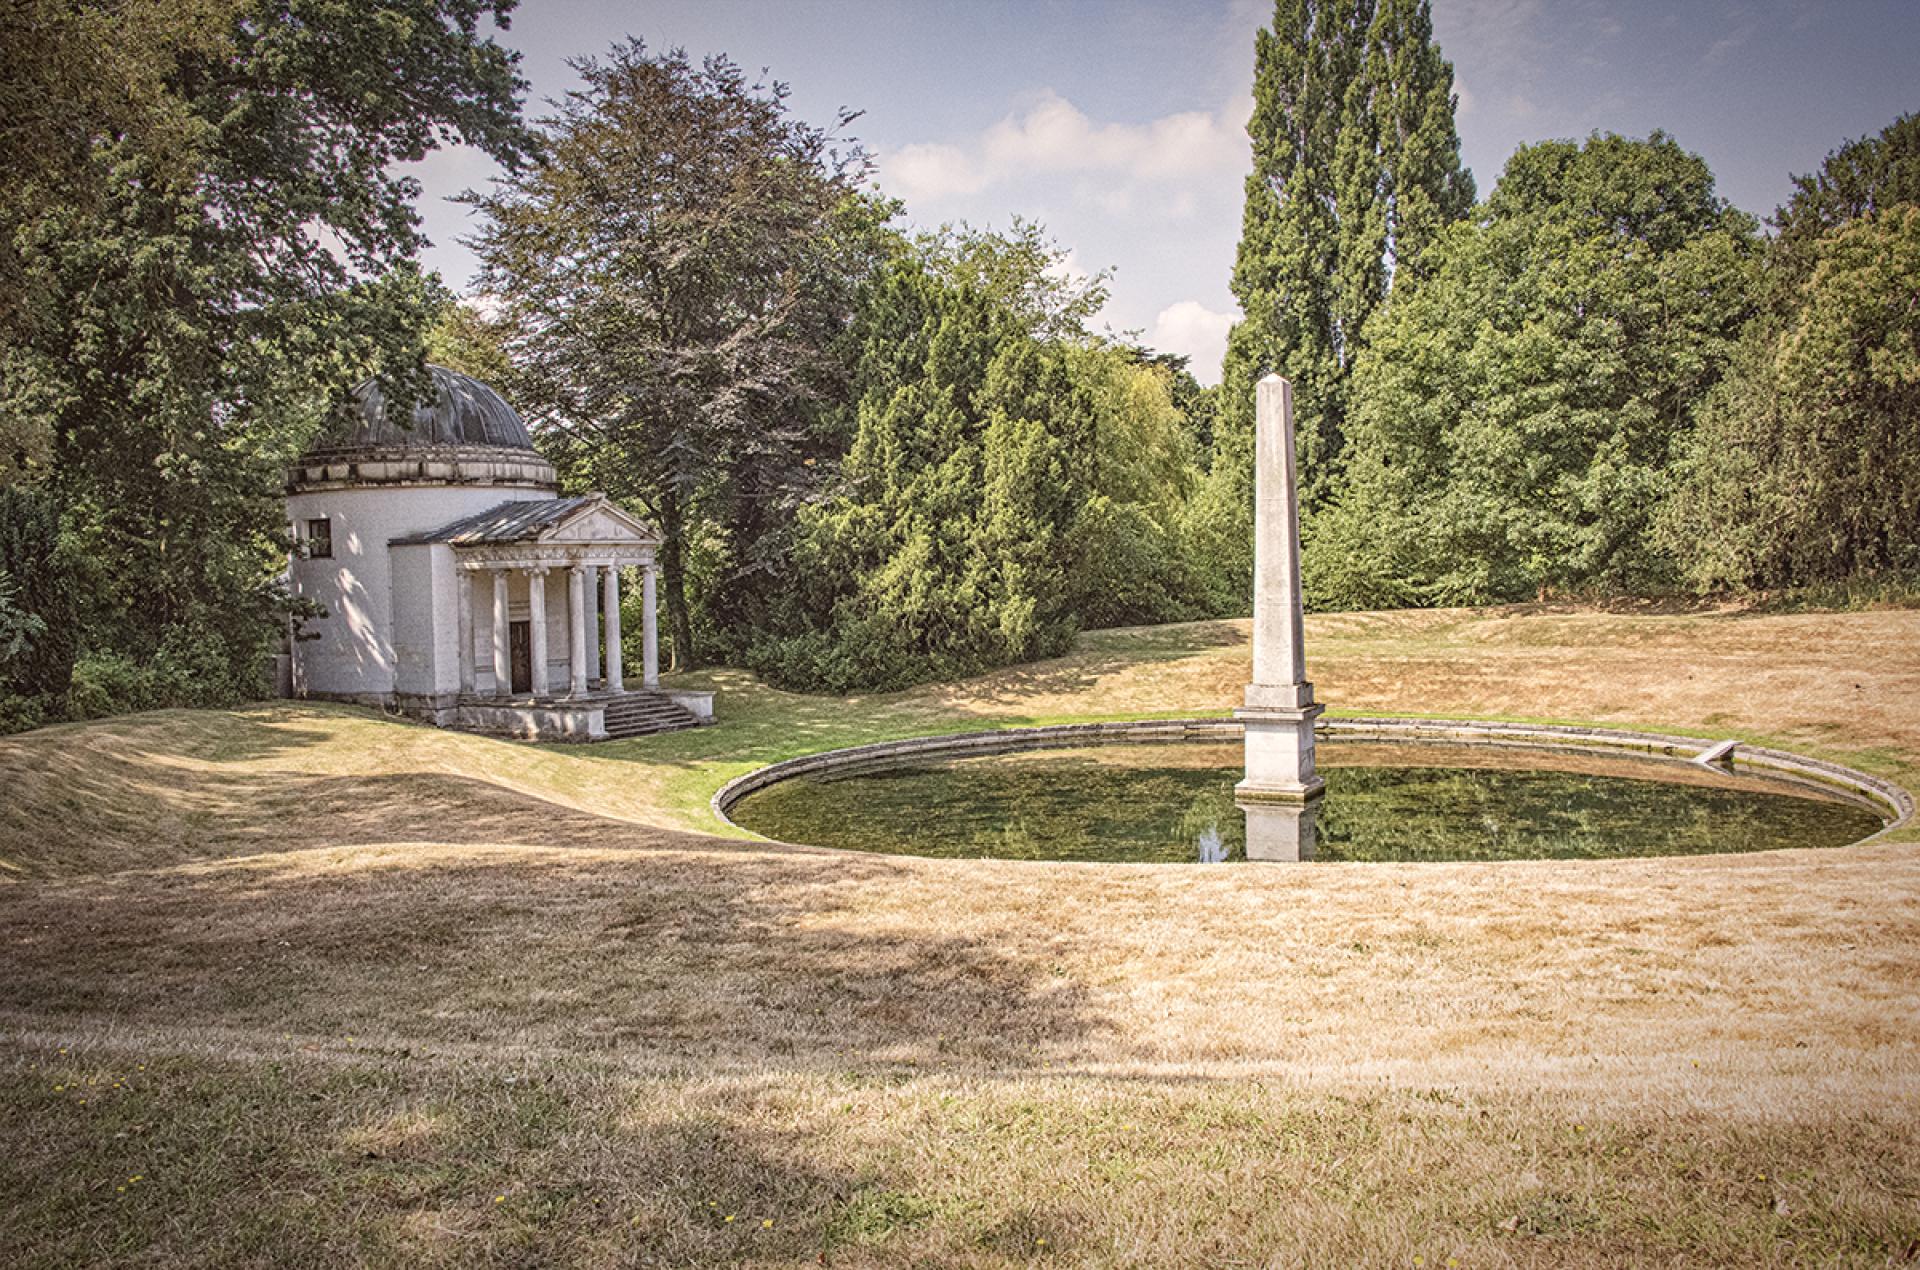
x: 1121, y: 125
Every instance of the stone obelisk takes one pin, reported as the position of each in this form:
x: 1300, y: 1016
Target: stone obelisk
x: 1280, y: 709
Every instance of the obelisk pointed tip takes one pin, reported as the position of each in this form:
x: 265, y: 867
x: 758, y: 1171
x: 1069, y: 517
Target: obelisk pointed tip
x: 1273, y: 400
x: 1271, y: 377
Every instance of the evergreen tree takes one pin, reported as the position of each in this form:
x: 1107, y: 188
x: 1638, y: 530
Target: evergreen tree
x: 935, y: 555
x: 1010, y: 480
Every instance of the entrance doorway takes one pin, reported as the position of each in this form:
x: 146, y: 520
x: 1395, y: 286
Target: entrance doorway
x: 520, y: 646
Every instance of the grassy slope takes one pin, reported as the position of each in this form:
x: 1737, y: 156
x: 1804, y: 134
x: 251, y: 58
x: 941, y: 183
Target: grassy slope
x: 334, y: 987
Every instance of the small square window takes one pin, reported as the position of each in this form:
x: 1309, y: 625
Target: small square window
x: 320, y: 539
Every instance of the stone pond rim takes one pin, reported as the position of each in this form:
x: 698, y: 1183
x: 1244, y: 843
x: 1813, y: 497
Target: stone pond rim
x: 1883, y: 797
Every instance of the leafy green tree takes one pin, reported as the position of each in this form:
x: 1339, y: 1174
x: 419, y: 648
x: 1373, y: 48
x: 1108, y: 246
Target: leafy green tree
x: 43, y: 588
x: 937, y: 551
x: 1028, y: 275
x: 71, y: 74
x: 1863, y: 176
x: 1129, y: 563
x: 1806, y: 465
x: 18, y: 628
x: 1516, y: 416
x: 1804, y: 469
x: 209, y: 262
x: 672, y: 274
x: 1010, y: 479
x: 465, y: 339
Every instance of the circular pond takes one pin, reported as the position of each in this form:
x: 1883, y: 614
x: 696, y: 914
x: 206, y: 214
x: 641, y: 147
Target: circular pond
x: 1167, y: 802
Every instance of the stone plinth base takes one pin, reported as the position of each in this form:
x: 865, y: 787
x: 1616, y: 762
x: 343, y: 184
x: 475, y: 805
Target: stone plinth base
x: 543, y: 719
x: 1279, y: 754
x: 697, y: 704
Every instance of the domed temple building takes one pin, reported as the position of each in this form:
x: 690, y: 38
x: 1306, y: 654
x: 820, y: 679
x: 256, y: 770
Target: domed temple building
x: 458, y: 587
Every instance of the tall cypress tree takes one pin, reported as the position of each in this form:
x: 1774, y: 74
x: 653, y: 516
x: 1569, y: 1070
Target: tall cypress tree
x: 1356, y: 169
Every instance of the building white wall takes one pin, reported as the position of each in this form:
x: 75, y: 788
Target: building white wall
x: 355, y: 651
x: 425, y: 622
x: 444, y: 598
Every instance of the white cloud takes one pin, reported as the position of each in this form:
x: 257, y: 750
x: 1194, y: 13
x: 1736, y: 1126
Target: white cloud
x: 931, y: 172
x: 1053, y: 136
x: 1197, y: 333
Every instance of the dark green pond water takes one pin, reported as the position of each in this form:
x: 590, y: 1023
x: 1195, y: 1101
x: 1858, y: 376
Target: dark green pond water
x: 1174, y: 802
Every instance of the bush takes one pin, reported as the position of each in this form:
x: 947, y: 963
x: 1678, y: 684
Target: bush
x: 1129, y: 571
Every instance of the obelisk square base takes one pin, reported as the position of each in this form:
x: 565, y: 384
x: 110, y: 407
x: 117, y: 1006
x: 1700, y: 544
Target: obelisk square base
x: 1279, y: 754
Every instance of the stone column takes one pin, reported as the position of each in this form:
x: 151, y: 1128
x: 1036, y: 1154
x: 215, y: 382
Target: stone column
x: 590, y: 598
x: 502, y: 655
x: 577, y: 611
x: 1280, y: 709
x: 616, y: 673
x: 649, y: 631
x: 537, y: 627
x: 463, y: 623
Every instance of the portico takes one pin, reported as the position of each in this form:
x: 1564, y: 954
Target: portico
x: 586, y: 626
x: 537, y: 595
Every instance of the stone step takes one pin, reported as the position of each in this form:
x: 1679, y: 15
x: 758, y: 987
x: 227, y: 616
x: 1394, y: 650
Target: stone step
x: 645, y: 714
x: 626, y: 731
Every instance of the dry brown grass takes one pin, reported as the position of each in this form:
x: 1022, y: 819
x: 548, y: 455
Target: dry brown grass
x: 340, y: 989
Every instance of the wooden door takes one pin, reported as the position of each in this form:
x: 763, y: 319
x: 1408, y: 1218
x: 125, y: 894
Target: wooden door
x: 520, y: 646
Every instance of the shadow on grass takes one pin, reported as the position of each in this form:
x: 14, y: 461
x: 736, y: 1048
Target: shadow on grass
x: 586, y: 935
x: 416, y: 1165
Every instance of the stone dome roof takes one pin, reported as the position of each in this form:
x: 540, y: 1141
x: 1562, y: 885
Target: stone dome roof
x: 458, y: 411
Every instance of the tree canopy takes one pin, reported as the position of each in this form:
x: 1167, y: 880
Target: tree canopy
x: 1806, y: 466
x: 195, y: 269
x: 1010, y: 478
x: 1517, y: 415
x: 881, y: 456
x: 1356, y: 171
x: 671, y: 274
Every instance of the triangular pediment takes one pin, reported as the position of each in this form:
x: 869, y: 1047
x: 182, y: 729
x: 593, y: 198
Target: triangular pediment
x: 601, y: 521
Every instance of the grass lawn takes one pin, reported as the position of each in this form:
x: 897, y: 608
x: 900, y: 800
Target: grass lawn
x: 302, y: 985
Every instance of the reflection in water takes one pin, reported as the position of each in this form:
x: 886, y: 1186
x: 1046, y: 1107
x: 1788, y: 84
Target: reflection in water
x: 1174, y: 802
x: 1281, y: 831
